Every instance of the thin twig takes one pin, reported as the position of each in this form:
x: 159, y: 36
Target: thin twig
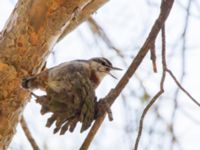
x: 159, y: 93
x: 113, y: 94
x: 28, y: 134
x: 152, y: 101
x: 153, y: 57
x: 180, y: 86
x: 165, y: 69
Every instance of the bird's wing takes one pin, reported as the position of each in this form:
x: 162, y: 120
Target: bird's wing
x: 73, y: 101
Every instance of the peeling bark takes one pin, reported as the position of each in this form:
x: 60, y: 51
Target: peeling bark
x: 26, y: 40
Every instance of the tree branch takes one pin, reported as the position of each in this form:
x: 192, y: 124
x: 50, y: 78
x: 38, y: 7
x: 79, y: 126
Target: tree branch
x: 181, y: 87
x: 113, y: 94
x: 86, y: 13
x: 153, y: 100
x: 159, y: 93
x: 28, y: 134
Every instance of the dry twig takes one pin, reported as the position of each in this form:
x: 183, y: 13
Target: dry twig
x: 28, y: 134
x: 153, y: 57
x: 159, y: 93
x: 113, y: 94
x: 181, y: 87
x: 165, y: 70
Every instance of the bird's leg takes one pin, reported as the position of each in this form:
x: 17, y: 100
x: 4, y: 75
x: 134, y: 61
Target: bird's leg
x: 102, y: 107
x: 42, y: 100
x: 33, y: 94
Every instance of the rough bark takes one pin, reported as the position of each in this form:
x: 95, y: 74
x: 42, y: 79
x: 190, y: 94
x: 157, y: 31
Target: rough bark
x: 26, y: 40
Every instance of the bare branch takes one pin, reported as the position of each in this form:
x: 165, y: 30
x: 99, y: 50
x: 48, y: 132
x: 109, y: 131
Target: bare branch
x: 180, y: 86
x: 90, y: 8
x: 113, y: 94
x: 159, y: 93
x: 28, y: 134
x: 153, y: 57
x: 92, y: 133
x: 152, y: 101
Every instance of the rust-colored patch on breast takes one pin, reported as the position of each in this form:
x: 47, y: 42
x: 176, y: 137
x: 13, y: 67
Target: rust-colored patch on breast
x: 94, y: 78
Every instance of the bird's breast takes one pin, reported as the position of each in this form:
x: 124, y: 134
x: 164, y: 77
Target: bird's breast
x: 94, y: 79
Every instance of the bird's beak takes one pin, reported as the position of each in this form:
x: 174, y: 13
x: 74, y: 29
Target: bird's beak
x: 115, y: 68
x: 112, y: 75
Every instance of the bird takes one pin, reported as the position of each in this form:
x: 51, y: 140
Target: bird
x: 70, y: 91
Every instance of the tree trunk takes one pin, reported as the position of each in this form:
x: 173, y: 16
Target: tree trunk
x: 26, y: 40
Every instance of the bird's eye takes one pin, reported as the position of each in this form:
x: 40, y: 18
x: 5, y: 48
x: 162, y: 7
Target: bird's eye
x: 103, y: 63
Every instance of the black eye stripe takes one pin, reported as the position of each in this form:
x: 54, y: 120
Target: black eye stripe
x: 107, y: 62
x: 103, y: 61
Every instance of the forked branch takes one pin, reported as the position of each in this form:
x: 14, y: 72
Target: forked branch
x: 159, y: 93
x: 114, y: 93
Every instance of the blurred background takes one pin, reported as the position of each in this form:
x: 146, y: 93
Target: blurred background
x: 117, y: 31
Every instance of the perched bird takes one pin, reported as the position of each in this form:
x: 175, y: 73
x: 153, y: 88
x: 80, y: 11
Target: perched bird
x: 70, y: 91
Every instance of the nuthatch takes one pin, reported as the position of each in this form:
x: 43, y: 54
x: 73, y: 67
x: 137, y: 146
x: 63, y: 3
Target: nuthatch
x: 70, y: 89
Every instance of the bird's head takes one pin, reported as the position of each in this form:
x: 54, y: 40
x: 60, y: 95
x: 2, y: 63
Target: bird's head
x: 101, y: 67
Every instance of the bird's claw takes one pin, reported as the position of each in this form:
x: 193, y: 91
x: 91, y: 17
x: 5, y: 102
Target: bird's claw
x: 102, y: 107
